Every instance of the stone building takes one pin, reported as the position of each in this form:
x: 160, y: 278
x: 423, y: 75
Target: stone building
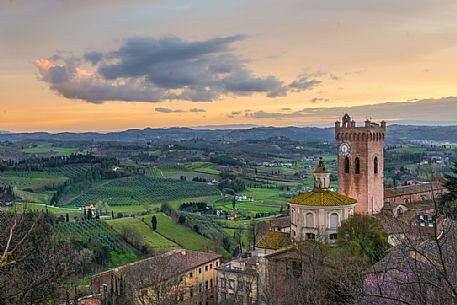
x: 316, y: 215
x: 239, y: 281
x: 416, y: 193
x: 279, y: 224
x: 361, y: 163
x: 176, y: 277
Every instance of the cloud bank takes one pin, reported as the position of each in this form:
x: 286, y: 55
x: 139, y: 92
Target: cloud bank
x: 163, y: 69
x: 430, y: 111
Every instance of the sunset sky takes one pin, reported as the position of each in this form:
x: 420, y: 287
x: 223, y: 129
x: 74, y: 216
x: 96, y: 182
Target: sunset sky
x: 113, y: 65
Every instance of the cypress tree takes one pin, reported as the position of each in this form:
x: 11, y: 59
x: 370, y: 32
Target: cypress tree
x: 154, y: 222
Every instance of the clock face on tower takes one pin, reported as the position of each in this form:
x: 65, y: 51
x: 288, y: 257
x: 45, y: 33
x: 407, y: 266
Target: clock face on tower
x: 345, y: 149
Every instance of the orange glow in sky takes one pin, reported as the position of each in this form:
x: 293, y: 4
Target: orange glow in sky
x: 358, y: 52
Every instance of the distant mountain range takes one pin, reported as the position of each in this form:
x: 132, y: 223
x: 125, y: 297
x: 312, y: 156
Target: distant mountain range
x: 395, y: 133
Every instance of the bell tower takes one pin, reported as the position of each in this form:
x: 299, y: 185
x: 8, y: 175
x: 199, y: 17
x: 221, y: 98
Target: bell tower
x: 361, y: 163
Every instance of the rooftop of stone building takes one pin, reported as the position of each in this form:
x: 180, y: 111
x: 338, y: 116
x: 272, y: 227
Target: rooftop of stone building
x: 412, y: 189
x: 273, y: 240
x: 164, y: 267
x: 322, y: 197
x: 280, y: 222
x: 241, y: 264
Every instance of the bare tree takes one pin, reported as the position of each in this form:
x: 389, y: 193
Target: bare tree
x: 421, y: 269
x: 310, y: 273
x: 34, y: 263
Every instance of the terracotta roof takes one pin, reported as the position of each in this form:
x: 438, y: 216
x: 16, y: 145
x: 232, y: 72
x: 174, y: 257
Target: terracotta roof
x: 412, y: 189
x: 320, y: 197
x: 281, y: 222
x: 150, y: 271
x: 273, y: 240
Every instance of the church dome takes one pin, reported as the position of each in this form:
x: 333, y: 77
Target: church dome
x: 321, y: 194
x: 322, y: 197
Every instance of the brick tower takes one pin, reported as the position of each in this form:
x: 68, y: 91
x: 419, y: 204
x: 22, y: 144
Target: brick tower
x: 361, y: 163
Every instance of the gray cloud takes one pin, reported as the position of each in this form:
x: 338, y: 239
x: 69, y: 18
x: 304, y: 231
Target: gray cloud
x: 93, y: 57
x: 426, y: 111
x: 168, y: 110
x: 319, y: 99
x: 160, y: 69
x: 304, y: 83
x: 197, y: 110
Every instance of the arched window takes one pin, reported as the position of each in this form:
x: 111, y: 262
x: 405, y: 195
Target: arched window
x: 346, y: 165
x: 310, y: 220
x: 334, y: 220
x: 357, y: 165
x: 375, y: 165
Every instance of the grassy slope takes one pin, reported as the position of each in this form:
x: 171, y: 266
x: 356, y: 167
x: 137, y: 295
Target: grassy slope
x: 169, y: 234
x: 151, y: 239
x: 85, y: 230
x: 180, y: 234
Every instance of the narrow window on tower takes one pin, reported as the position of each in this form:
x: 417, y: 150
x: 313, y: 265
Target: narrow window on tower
x: 357, y: 165
x: 375, y: 165
x: 346, y: 165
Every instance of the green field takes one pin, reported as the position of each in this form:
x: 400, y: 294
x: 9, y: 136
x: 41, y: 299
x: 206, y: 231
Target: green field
x: 35, y: 181
x: 73, y: 170
x: 140, y: 190
x: 169, y: 234
x: 19, y: 207
x: 151, y: 239
x: 410, y: 150
x: 51, y: 149
x: 188, y: 170
x: 264, y: 194
x: 249, y: 208
x: 203, y: 167
x: 181, y: 235
x: 97, y: 230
